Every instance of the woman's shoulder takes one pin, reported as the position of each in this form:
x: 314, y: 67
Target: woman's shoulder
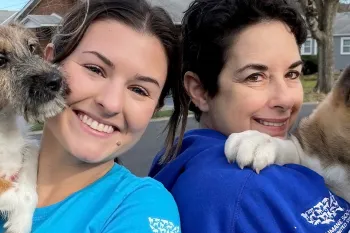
x: 146, y: 201
x: 297, y: 195
x: 231, y: 182
x: 276, y: 196
x: 123, y: 179
x: 291, y: 180
x: 143, y: 190
x: 117, y: 202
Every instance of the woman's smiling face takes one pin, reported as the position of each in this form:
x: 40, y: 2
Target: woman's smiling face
x: 259, y: 86
x: 116, y: 75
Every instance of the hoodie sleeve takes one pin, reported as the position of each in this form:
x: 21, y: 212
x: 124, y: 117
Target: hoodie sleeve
x: 207, y: 201
x: 218, y: 204
x: 279, y: 199
x: 214, y: 196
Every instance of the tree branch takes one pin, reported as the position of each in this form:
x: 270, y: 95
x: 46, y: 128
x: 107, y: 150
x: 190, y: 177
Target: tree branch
x: 319, y: 5
x: 311, y: 14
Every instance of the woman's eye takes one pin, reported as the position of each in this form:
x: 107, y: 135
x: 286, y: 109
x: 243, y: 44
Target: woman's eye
x: 95, y: 69
x: 139, y: 91
x: 255, y: 78
x: 293, y: 75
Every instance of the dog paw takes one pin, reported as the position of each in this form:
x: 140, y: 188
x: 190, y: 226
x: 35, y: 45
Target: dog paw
x: 9, y: 197
x: 19, y: 223
x: 20, y: 209
x: 250, y: 148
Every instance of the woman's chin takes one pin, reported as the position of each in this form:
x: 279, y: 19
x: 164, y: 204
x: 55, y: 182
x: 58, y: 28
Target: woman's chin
x: 92, y: 156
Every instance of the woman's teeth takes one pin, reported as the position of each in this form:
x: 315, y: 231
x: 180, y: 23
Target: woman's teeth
x: 267, y: 123
x: 94, y: 124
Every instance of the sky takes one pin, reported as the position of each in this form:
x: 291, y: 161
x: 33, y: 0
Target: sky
x: 12, y: 4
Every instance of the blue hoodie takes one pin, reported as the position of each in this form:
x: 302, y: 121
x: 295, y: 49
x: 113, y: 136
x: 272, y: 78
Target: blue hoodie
x: 217, y: 197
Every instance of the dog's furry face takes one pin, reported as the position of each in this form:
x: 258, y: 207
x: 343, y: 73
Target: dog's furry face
x: 29, y: 85
x: 329, y: 124
x: 335, y: 109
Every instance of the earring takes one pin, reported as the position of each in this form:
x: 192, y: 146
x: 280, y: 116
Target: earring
x: 119, y: 143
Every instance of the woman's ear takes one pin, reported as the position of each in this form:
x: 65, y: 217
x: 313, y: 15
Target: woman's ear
x: 49, y: 52
x: 195, y: 90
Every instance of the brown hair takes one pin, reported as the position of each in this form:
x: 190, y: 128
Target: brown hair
x: 139, y: 15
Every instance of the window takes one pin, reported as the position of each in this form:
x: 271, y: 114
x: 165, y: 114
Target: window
x: 306, y: 48
x: 345, y: 46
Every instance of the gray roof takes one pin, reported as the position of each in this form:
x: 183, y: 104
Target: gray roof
x: 31, y: 4
x: 175, y: 8
x: 4, y: 15
x: 35, y: 21
x: 342, y: 24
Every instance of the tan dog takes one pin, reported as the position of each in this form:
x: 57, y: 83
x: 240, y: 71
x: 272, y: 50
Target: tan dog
x: 31, y: 89
x: 321, y: 142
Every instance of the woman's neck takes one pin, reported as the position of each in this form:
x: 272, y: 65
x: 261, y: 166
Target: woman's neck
x: 60, y: 174
x: 204, y: 122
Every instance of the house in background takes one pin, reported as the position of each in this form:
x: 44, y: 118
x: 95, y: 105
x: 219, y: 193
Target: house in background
x: 6, y: 16
x: 175, y: 8
x: 42, y: 16
x: 341, y: 31
x: 341, y: 42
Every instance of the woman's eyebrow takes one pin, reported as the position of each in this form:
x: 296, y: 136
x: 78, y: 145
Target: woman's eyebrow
x: 147, y: 79
x: 253, y: 66
x: 103, y: 58
x: 261, y: 67
x: 296, y: 64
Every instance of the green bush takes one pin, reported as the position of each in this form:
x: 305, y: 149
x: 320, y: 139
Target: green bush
x: 312, y: 58
x: 310, y: 64
x: 37, y: 127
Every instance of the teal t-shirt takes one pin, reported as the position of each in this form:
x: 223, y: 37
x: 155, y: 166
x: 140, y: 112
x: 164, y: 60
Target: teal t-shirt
x: 116, y: 203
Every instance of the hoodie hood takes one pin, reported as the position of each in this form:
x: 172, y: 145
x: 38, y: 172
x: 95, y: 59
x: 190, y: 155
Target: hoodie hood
x: 195, y: 142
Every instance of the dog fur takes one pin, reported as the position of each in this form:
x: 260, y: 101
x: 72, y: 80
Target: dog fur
x: 31, y: 90
x: 321, y: 142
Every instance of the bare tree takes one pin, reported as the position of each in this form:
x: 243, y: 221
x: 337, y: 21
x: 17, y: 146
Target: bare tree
x: 320, y: 16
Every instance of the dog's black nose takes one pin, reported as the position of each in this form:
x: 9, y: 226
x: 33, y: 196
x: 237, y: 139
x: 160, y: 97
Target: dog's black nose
x: 54, y: 83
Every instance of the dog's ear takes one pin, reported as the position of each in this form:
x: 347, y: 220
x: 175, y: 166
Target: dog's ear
x: 344, y: 79
x: 342, y: 86
x: 346, y: 72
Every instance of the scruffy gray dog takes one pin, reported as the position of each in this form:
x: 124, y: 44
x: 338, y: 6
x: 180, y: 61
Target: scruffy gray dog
x: 31, y: 90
